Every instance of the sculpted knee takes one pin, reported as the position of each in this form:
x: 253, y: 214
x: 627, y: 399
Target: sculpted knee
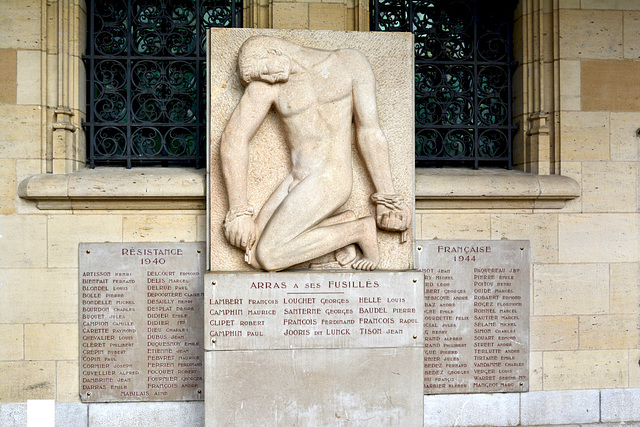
x: 267, y: 257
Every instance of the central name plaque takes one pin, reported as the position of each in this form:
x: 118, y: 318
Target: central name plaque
x: 266, y: 311
x: 476, y: 315
x: 140, y: 317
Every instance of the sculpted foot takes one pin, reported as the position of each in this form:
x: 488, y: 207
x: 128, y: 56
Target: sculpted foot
x: 369, y: 247
x: 346, y: 255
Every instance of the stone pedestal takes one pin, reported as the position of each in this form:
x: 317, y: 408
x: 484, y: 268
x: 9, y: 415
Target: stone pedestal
x: 313, y: 349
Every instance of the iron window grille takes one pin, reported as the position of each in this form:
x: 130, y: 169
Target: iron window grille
x: 463, y: 77
x: 146, y: 75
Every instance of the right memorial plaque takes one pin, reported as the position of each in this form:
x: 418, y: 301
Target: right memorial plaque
x: 476, y: 315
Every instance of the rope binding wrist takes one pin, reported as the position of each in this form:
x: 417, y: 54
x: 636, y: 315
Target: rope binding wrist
x: 391, y: 201
x: 238, y: 212
x: 395, y: 202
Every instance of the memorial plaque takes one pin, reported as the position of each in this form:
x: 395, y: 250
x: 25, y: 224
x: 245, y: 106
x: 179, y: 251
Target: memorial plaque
x: 140, y: 320
x: 476, y: 316
x: 260, y: 311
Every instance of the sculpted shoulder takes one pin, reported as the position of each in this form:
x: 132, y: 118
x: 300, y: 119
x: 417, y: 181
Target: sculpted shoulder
x: 355, y: 61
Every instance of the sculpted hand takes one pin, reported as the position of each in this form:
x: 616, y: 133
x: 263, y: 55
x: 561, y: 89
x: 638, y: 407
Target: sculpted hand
x: 239, y: 228
x: 392, y: 213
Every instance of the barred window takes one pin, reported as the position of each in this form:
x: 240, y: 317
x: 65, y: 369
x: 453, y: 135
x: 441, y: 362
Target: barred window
x: 463, y: 77
x: 146, y: 72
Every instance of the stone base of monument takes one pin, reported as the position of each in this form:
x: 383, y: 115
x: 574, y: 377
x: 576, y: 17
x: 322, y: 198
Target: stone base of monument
x: 314, y: 348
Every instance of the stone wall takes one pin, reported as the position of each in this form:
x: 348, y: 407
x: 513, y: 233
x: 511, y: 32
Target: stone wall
x: 578, y: 110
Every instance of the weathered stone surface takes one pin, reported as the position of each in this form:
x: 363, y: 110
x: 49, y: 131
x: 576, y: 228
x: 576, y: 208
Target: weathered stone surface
x: 624, y: 295
x: 318, y: 387
x: 540, y: 229
x: 67, y: 381
x: 554, y: 333
x: 153, y: 228
x: 12, y: 339
x: 391, y: 59
x: 7, y: 186
x: 71, y: 414
x: 624, y: 141
x: 20, y: 17
x: 23, y: 241
x: 8, y: 71
x: 586, y: 238
x: 632, y: 33
x: 560, y: 407
x: 618, y: 92
x: 146, y: 414
x: 455, y: 226
x: 620, y: 405
x: 610, y: 4
x: 327, y: 16
x: 57, y: 291
x: 24, y: 380
x: 609, y: 186
x: 570, y: 85
x: 28, y: 77
x: 58, y: 341
x: 566, y: 289
x: 293, y: 16
x: 608, y: 332
x: 22, y: 139
x: 472, y: 410
x: 591, y: 34
x: 13, y: 414
x: 585, y: 135
x: 535, y: 371
x: 634, y: 368
x: 585, y: 369
x: 63, y: 246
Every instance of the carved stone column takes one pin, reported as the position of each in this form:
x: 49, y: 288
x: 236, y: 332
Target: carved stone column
x: 64, y: 40
x: 536, y: 149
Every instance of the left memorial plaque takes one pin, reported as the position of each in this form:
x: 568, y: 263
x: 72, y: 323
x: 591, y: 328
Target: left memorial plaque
x: 140, y: 321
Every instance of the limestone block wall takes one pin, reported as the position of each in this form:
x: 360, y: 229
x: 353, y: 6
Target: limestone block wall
x: 585, y: 256
x: 582, y: 125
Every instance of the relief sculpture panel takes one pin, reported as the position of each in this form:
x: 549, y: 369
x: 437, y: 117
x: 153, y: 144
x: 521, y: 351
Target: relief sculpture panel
x: 304, y: 170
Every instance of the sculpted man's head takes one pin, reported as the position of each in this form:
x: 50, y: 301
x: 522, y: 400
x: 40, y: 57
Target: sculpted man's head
x: 262, y: 58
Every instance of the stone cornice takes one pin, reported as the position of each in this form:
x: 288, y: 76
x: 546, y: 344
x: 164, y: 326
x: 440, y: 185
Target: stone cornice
x: 118, y: 188
x: 180, y: 189
x: 456, y: 188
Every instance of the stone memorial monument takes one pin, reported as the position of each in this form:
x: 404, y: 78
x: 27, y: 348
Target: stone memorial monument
x: 311, y: 171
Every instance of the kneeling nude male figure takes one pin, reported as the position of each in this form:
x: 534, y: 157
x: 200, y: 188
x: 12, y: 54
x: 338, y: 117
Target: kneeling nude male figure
x: 317, y: 94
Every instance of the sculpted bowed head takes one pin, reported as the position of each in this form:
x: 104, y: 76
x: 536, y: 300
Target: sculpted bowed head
x: 317, y: 94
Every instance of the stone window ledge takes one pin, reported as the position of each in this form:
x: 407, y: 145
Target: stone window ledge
x: 454, y: 188
x: 118, y: 188
x: 185, y: 189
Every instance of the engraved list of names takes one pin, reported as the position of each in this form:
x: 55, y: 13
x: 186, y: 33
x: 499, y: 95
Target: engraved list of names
x: 476, y: 316
x: 266, y: 311
x: 140, y: 319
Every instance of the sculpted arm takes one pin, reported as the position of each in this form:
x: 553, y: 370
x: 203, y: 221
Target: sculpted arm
x: 391, y: 211
x: 253, y: 107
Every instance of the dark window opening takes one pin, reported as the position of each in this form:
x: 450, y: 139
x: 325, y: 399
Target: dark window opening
x: 463, y: 77
x: 146, y: 71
